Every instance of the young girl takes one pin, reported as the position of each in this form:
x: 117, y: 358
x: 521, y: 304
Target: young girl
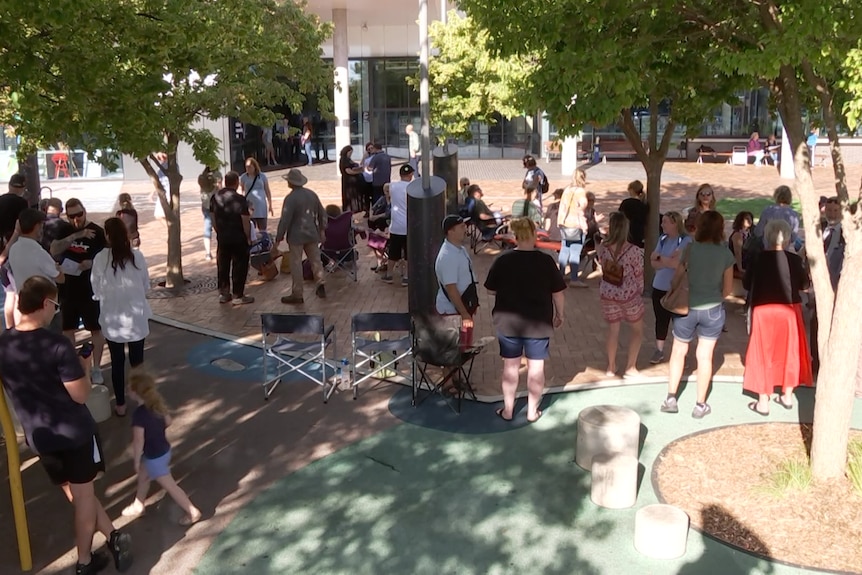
x: 152, y: 452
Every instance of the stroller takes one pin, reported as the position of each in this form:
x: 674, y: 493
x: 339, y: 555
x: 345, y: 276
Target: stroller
x: 263, y: 254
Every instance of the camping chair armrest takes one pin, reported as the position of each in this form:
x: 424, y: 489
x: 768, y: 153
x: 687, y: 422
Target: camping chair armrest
x: 328, y: 331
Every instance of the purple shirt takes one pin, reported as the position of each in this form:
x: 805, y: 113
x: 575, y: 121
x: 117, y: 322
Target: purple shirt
x: 155, y: 442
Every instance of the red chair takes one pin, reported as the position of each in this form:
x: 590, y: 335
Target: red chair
x: 61, y: 165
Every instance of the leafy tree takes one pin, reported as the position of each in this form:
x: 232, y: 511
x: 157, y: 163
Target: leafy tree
x: 467, y: 81
x: 137, y: 76
x: 600, y: 62
x: 808, y: 54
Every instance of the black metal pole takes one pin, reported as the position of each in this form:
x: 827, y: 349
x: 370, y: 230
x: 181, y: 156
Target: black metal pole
x: 425, y: 212
x: 446, y: 167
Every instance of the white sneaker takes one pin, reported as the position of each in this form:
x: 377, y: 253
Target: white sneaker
x: 96, y: 377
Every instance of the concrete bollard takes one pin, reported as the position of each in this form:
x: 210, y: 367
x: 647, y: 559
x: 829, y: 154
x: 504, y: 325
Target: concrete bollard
x: 614, y: 481
x: 99, y: 403
x: 606, y: 429
x: 661, y: 531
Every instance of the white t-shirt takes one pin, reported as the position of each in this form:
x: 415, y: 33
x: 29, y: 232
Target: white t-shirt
x: 28, y: 258
x: 452, y: 267
x: 124, y: 310
x: 398, y: 193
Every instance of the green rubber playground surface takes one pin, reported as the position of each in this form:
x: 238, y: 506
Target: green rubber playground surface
x: 418, y: 499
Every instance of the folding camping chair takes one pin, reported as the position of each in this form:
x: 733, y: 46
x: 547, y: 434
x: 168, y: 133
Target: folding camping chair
x: 378, y: 358
x: 438, y: 358
x: 296, y: 343
x: 339, y: 249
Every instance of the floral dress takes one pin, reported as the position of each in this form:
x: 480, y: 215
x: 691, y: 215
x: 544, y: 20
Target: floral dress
x: 623, y: 302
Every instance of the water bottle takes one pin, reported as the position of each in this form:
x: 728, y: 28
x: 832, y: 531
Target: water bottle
x: 344, y: 373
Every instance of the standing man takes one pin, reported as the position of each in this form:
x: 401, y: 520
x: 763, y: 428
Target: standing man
x: 232, y: 224
x: 398, y: 225
x: 380, y: 166
x: 48, y: 386
x: 413, y: 147
x: 76, y: 251
x: 303, y: 224
x: 454, y: 270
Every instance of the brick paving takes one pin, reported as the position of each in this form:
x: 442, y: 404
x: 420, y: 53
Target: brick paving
x: 577, y: 348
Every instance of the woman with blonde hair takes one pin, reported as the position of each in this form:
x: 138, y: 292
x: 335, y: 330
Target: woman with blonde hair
x: 151, y: 449
x: 664, y: 260
x: 573, y: 224
x: 528, y: 305
x: 778, y: 354
x: 704, y: 201
x: 255, y: 187
x: 621, y: 291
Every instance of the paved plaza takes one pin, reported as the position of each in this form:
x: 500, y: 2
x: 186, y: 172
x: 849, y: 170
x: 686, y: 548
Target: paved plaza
x: 293, y: 485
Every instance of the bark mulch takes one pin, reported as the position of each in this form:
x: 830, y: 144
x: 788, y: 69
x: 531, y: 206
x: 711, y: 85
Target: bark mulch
x: 722, y: 479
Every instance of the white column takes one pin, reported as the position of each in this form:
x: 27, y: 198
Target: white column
x: 786, y: 167
x: 341, y: 85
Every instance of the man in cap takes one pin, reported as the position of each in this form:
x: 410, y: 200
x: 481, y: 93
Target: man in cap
x: 398, y: 224
x: 303, y: 224
x: 454, y: 270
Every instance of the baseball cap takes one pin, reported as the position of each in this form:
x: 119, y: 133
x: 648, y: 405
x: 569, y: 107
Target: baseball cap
x: 451, y: 221
x: 18, y: 181
x: 406, y: 169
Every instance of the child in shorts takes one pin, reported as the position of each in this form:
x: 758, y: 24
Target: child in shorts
x: 152, y: 452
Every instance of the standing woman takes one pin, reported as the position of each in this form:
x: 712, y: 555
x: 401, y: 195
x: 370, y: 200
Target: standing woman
x: 162, y: 173
x: 572, y: 221
x: 664, y: 260
x: 635, y: 209
x: 255, y: 187
x: 778, y: 354
x: 529, y: 304
x: 710, y: 280
x: 209, y: 182
x: 351, y: 182
x: 704, y: 201
x: 621, y: 291
x: 127, y: 212
x: 305, y: 139
x: 120, y: 283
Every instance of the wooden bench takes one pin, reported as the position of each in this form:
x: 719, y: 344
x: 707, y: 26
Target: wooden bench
x: 618, y: 148
x: 553, y: 150
x: 701, y: 154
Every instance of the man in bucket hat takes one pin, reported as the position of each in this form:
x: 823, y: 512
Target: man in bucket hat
x: 303, y: 224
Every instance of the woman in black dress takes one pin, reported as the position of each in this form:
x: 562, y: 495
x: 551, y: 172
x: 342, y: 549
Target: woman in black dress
x: 351, y: 182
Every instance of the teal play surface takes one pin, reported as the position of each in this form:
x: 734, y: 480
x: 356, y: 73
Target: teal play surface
x: 420, y: 499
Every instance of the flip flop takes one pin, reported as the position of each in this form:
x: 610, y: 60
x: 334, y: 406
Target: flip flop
x: 499, y: 413
x: 538, y: 417
x: 753, y: 407
x: 780, y: 401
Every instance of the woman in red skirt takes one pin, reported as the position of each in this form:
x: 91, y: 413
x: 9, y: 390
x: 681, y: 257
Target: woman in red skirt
x: 778, y: 354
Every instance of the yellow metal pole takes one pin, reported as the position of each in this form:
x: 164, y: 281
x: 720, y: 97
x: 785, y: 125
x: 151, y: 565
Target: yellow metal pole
x: 15, y: 486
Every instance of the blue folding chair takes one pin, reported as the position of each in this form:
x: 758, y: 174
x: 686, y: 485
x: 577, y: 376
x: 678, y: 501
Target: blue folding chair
x: 382, y: 347
x: 296, y: 343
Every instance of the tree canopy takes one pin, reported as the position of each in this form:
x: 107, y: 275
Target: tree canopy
x: 133, y: 76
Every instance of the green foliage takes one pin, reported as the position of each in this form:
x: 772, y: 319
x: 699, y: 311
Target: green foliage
x: 854, y: 464
x: 123, y: 74
x: 791, y: 475
x: 467, y: 82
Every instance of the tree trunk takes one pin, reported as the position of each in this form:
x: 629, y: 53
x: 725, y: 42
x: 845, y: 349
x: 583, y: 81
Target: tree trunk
x: 174, y: 276
x: 836, y: 382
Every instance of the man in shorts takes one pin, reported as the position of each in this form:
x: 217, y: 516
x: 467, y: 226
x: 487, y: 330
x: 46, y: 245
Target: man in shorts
x: 48, y: 385
x: 398, y: 225
x: 76, y: 252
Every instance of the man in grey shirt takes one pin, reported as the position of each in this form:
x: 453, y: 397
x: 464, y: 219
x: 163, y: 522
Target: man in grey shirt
x: 303, y: 223
x: 380, y: 165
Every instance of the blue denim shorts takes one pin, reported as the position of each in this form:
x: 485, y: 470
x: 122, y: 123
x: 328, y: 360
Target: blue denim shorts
x: 532, y: 347
x: 158, y: 467
x: 707, y: 323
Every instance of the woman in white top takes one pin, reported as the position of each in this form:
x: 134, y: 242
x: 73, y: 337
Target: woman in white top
x: 120, y: 282
x: 255, y: 186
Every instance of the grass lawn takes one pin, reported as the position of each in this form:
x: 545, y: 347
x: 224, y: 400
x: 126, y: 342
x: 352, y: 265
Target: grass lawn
x: 729, y: 207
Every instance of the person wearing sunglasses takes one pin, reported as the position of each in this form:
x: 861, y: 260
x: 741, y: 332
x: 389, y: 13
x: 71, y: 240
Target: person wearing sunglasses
x: 76, y: 252
x: 48, y: 386
x: 704, y: 201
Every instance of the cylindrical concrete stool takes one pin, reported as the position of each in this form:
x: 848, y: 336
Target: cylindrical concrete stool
x: 99, y: 403
x: 606, y: 429
x: 614, y: 480
x: 661, y: 531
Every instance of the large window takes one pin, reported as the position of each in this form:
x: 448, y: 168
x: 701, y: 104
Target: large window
x: 57, y: 163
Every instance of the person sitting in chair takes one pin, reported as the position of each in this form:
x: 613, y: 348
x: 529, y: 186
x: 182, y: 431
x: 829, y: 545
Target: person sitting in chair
x: 481, y: 214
